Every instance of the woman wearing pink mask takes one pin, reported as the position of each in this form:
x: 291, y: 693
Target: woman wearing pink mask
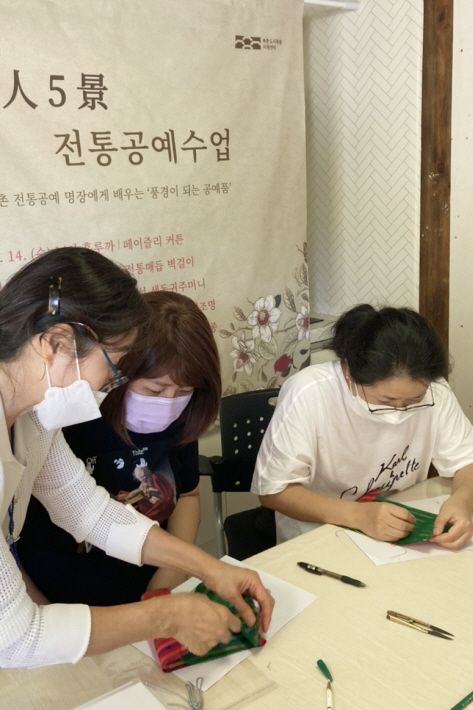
x: 144, y: 452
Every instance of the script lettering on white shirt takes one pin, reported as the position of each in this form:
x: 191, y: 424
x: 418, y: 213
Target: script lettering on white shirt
x: 399, y: 466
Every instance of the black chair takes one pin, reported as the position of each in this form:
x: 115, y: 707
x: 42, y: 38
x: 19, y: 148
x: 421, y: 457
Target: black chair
x: 243, y: 421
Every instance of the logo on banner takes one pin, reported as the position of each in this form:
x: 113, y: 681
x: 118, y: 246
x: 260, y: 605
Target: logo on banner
x: 242, y: 42
x: 251, y: 42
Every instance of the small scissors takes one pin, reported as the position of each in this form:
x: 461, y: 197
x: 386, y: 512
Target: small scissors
x: 419, y: 625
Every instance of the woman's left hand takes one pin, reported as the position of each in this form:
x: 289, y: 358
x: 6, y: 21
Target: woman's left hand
x: 231, y: 582
x: 458, y: 515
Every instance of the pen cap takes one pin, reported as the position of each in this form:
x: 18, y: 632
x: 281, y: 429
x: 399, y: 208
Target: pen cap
x: 324, y: 670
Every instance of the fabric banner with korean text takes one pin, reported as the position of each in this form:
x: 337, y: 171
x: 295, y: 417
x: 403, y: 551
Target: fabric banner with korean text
x: 170, y: 137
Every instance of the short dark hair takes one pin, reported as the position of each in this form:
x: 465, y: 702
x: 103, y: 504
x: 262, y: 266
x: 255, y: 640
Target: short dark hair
x: 93, y: 290
x: 180, y: 343
x: 378, y: 344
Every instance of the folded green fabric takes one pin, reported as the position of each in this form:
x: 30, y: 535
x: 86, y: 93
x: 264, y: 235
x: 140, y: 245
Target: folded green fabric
x: 423, y: 528
x: 424, y: 525
x: 173, y: 655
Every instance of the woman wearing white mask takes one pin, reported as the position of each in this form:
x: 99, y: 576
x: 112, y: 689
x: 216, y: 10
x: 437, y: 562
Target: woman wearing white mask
x: 66, y: 319
x: 370, y: 422
x: 144, y: 452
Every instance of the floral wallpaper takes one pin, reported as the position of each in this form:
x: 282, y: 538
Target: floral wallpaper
x: 269, y: 336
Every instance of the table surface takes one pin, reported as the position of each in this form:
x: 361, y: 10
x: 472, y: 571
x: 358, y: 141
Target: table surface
x: 376, y: 664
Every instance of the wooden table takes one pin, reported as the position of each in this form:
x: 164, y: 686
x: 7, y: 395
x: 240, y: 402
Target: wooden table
x: 377, y: 665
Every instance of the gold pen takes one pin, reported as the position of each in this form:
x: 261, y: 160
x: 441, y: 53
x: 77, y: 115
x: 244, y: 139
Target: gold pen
x: 419, y: 625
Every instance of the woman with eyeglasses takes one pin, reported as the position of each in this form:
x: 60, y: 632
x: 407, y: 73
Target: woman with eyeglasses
x: 370, y: 422
x: 143, y: 451
x: 66, y: 319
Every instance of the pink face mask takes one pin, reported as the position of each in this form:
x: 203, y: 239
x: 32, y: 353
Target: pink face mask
x: 147, y: 414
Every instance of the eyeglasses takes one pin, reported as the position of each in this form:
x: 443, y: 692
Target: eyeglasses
x: 379, y: 410
x: 119, y: 378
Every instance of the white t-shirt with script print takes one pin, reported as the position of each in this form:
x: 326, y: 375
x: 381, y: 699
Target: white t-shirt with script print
x: 326, y: 439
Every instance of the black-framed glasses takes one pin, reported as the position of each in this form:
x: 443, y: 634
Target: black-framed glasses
x: 119, y: 378
x: 379, y: 410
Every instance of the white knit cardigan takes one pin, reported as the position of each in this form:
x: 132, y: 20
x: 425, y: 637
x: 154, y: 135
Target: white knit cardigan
x: 43, y: 464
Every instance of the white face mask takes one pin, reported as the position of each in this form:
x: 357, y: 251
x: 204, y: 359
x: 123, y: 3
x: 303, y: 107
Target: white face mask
x: 64, y: 406
x: 390, y: 416
x: 147, y: 414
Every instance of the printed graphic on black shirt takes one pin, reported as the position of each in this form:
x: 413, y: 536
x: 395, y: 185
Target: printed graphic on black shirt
x: 155, y: 494
x: 142, y: 477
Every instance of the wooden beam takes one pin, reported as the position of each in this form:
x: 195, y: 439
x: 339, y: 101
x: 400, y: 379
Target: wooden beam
x: 435, y: 164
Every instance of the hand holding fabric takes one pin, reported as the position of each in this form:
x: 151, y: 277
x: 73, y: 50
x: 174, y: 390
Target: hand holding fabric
x: 457, y: 514
x: 172, y: 654
x: 196, y: 622
x: 385, y: 521
x: 231, y: 583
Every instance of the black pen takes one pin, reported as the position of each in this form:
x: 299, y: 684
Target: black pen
x: 313, y: 569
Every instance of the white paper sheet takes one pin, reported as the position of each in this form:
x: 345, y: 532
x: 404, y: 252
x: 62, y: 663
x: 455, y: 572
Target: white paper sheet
x: 384, y: 553
x: 128, y: 696
x: 289, y: 601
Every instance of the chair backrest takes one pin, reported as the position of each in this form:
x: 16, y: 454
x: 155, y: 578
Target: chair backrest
x: 244, y: 418
x: 243, y: 421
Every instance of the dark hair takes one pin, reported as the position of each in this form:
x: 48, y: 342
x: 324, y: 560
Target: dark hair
x: 180, y: 344
x: 378, y: 344
x: 92, y: 290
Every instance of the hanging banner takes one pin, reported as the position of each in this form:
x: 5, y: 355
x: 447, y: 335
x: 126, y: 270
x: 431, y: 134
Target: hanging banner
x: 169, y: 136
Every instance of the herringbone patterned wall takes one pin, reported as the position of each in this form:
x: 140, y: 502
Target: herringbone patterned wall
x: 363, y: 93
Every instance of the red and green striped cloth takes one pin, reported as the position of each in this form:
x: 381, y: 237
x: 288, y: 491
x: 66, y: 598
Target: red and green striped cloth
x: 173, y: 655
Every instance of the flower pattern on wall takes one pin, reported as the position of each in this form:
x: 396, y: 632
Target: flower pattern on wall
x: 243, y: 357
x: 270, y: 337
x: 264, y: 318
x: 303, y: 323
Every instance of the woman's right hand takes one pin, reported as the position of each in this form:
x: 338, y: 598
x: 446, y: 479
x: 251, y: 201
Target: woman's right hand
x: 193, y: 620
x: 384, y: 521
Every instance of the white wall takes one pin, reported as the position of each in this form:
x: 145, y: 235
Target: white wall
x: 363, y: 98
x: 461, y: 225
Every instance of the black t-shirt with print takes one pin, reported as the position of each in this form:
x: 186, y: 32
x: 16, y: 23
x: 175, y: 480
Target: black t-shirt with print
x: 150, y: 475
